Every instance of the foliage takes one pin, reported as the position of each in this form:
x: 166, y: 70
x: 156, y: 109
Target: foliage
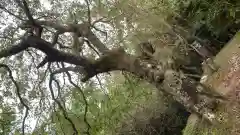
x: 221, y: 17
x: 7, y: 119
x: 107, y: 112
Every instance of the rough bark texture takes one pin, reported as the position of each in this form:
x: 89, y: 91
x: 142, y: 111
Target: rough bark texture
x: 225, y: 82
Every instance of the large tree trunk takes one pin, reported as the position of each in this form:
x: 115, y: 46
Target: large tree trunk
x: 225, y: 82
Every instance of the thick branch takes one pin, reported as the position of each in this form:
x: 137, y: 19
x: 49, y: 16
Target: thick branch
x: 55, y: 55
x: 181, y: 88
x: 118, y: 59
x: 66, y: 69
x: 13, y: 49
x: 81, y: 29
x: 96, y: 42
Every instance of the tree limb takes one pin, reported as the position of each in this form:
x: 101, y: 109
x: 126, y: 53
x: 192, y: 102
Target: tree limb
x: 66, y: 69
x: 118, y: 59
x: 27, y: 11
x: 14, y: 49
x: 4, y: 9
x: 82, y: 29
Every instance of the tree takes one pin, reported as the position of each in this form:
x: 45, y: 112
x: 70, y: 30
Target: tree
x: 37, y: 32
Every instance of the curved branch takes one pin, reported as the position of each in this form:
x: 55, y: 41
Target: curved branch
x: 55, y: 55
x: 84, y: 98
x: 101, y: 31
x: 4, y: 9
x: 83, y: 29
x: 99, y: 20
x: 19, y: 96
x: 59, y: 104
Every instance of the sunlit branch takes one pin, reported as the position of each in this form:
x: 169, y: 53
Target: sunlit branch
x: 19, y: 96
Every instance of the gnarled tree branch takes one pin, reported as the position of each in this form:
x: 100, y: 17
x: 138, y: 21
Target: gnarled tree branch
x: 82, y: 29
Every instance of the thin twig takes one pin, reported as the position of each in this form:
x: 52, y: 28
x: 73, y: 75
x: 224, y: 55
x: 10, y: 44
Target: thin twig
x: 18, y: 94
x: 90, y: 46
x: 84, y: 98
x: 59, y: 104
x: 4, y: 9
x: 88, y: 12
